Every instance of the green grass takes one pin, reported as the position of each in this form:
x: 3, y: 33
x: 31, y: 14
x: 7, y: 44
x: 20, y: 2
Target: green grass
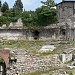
x: 32, y: 46
x: 35, y: 46
x: 71, y: 72
x: 39, y: 72
x: 50, y: 71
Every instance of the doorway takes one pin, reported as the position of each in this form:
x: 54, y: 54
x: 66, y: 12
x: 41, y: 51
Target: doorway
x: 36, y: 34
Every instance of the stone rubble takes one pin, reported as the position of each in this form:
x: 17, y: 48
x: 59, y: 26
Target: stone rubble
x: 28, y: 62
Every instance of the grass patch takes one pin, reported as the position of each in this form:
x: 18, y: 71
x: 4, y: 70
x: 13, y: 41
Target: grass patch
x: 39, y: 72
x: 35, y: 45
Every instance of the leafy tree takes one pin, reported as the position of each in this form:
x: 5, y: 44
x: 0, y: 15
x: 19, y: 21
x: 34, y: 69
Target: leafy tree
x: 16, y: 12
x: 4, y: 20
x: 25, y: 17
x: 49, y: 3
x: 46, y: 16
x: 17, y: 9
x: 4, y: 7
x: 8, y: 13
x: 29, y: 18
x: 18, y: 4
x: 40, y: 17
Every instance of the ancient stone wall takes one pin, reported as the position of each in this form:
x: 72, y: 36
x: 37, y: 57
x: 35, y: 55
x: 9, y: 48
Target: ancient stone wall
x: 15, y: 31
x: 44, y: 34
x: 24, y: 34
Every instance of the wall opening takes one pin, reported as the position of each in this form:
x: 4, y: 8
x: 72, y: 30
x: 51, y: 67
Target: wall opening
x: 36, y: 34
x: 63, y: 32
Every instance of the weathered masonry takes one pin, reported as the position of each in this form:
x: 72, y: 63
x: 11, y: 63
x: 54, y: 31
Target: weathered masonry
x: 55, y: 31
x: 28, y: 34
x: 66, y: 10
x: 16, y: 31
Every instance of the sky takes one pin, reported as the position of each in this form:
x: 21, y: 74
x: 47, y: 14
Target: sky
x: 28, y: 4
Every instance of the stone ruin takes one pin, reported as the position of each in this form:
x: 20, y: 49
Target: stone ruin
x: 16, y: 25
x: 59, y: 31
x: 22, y: 62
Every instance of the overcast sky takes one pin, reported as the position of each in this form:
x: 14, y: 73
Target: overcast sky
x: 28, y: 4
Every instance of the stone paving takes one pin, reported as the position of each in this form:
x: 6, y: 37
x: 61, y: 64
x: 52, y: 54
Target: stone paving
x: 28, y: 62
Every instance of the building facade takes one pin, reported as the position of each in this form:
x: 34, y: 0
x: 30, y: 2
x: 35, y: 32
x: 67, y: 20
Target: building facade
x: 66, y: 10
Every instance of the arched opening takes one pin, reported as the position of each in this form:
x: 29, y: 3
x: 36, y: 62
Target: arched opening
x: 36, y: 34
x: 2, y: 67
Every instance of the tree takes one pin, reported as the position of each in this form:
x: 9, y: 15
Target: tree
x: 49, y: 3
x: 17, y: 9
x: 29, y: 18
x: 16, y: 12
x: 46, y: 16
x: 18, y: 4
x: 4, y: 7
x: 4, y: 20
x: 10, y: 15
